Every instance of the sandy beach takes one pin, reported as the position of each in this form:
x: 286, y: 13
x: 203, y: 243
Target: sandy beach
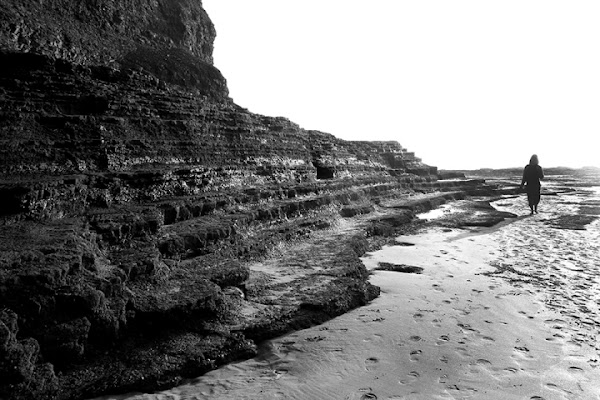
x: 508, y: 312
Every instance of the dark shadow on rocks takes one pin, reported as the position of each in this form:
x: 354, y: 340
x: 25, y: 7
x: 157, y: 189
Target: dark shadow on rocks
x: 573, y: 222
x: 407, y: 269
x: 470, y: 213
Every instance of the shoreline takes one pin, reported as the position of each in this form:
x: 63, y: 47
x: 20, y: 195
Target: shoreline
x: 462, y: 328
x: 450, y: 332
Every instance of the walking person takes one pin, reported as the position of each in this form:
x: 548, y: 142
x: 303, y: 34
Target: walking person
x: 532, y: 175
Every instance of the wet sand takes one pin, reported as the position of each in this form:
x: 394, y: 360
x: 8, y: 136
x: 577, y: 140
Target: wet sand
x: 509, y: 312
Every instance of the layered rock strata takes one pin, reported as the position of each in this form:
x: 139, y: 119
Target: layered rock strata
x: 136, y: 198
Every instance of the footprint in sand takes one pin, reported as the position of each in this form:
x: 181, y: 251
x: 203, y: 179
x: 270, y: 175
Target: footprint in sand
x: 372, y: 338
x: 523, y: 351
x: 467, y: 328
x: 289, y: 346
x: 368, y: 396
x: 415, y: 355
x: 463, y: 352
x: 525, y: 314
x: 567, y: 393
x: 437, y: 287
x: 555, y: 323
x: 363, y: 394
x: 462, y: 312
x: 483, y: 362
x: 371, y: 363
x: 418, y: 316
x: 443, y: 339
x: 416, y: 338
x: 412, y: 376
x: 463, y: 392
x: 575, y: 370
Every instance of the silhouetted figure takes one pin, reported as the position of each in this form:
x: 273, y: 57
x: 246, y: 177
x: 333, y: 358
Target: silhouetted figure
x: 532, y: 175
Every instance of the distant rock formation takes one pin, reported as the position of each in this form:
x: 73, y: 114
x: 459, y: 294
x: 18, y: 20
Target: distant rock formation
x: 515, y: 172
x: 134, y: 192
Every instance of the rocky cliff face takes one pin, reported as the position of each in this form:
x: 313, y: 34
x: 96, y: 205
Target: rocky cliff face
x: 172, y: 39
x: 134, y: 194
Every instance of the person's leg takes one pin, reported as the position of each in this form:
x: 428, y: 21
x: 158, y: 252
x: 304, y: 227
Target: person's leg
x: 530, y: 198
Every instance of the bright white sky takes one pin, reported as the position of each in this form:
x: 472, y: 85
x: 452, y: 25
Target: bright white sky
x: 462, y: 83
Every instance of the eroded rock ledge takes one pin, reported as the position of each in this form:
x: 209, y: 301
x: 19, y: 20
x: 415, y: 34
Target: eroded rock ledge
x: 150, y: 228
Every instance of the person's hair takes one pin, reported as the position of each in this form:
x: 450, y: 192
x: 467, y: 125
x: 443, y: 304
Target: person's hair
x: 534, y: 160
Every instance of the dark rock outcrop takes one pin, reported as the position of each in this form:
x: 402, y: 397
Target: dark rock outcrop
x: 134, y: 196
x: 172, y: 39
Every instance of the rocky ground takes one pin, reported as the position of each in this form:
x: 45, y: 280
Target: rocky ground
x: 121, y: 300
x: 136, y: 197
x: 469, y: 308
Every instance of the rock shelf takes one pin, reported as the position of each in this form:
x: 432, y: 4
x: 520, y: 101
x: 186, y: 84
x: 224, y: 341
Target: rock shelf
x: 150, y: 228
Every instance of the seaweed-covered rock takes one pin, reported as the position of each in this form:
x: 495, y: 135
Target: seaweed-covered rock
x: 23, y: 375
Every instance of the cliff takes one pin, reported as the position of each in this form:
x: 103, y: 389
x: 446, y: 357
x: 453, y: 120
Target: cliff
x: 135, y: 196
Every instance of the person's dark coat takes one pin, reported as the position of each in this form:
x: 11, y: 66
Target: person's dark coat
x: 531, y: 176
